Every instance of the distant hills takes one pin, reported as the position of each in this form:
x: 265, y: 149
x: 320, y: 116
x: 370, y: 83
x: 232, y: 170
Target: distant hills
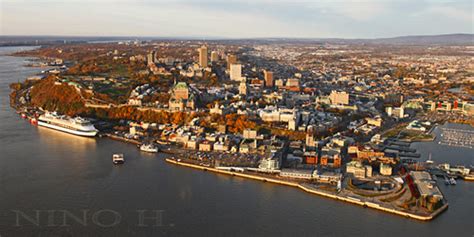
x: 446, y: 39
x: 449, y: 39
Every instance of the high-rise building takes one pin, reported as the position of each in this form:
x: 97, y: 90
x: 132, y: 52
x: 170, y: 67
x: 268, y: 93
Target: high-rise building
x: 236, y: 72
x: 231, y: 59
x: 214, y: 56
x: 151, y: 57
x: 203, y: 56
x: 268, y: 75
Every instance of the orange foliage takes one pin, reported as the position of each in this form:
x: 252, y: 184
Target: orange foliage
x: 62, y: 98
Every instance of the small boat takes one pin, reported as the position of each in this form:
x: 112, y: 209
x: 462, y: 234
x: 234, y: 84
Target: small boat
x: 34, y: 121
x: 447, y: 181
x: 149, y: 148
x: 452, y: 181
x: 118, y: 159
x: 429, y: 161
x: 23, y: 116
x: 162, y: 142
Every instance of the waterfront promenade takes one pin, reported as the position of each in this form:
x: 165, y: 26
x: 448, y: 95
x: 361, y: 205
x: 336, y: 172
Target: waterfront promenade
x: 312, y: 190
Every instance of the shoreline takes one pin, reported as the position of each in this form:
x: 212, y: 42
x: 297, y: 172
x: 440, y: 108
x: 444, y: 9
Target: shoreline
x: 314, y: 191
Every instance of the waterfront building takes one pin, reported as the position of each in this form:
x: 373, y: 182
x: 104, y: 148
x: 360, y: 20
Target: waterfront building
x: 137, y: 131
x: 429, y: 194
x: 358, y: 170
x: 270, y: 163
x: 192, y: 144
x: 206, y: 146
x: 327, y: 177
x: 221, y: 146
x: 297, y: 173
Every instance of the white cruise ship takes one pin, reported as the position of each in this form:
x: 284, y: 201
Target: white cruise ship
x: 77, y: 126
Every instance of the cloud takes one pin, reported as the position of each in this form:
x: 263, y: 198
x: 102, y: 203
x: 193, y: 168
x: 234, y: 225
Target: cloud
x: 461, y: 14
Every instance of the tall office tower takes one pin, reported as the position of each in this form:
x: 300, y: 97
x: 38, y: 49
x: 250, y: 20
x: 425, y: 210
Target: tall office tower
x: 268, y: 75
x: 151, y: 57
x: 236, y: 72
x: 231, y: 59
x: 214, y: 56
x: 203, y: 56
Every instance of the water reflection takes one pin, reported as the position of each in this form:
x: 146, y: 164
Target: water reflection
x: 185, y: 193
x: 57, y: 138
x: 72, y: 154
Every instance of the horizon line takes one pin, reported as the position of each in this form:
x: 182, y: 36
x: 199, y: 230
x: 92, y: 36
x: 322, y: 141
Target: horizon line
x: 234, y: 38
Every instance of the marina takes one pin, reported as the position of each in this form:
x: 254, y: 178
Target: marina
x: 457, y: 137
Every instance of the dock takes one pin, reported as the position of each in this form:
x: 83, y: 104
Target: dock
x: 123, y: 139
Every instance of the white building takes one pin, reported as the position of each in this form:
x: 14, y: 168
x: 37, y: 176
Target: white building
x: 270, y: 163
x: 236, y: 72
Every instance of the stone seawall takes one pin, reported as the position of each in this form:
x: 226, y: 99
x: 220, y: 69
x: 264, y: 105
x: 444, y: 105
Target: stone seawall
x: 314, y: 191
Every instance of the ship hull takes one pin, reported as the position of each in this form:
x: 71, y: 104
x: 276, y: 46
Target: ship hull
x: 149, y: 150
x: 66, y: 130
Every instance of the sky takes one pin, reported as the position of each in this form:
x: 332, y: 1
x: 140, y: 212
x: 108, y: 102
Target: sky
x: 236, y: 18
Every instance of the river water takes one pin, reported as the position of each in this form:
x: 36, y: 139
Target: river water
x: 45, y: 174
